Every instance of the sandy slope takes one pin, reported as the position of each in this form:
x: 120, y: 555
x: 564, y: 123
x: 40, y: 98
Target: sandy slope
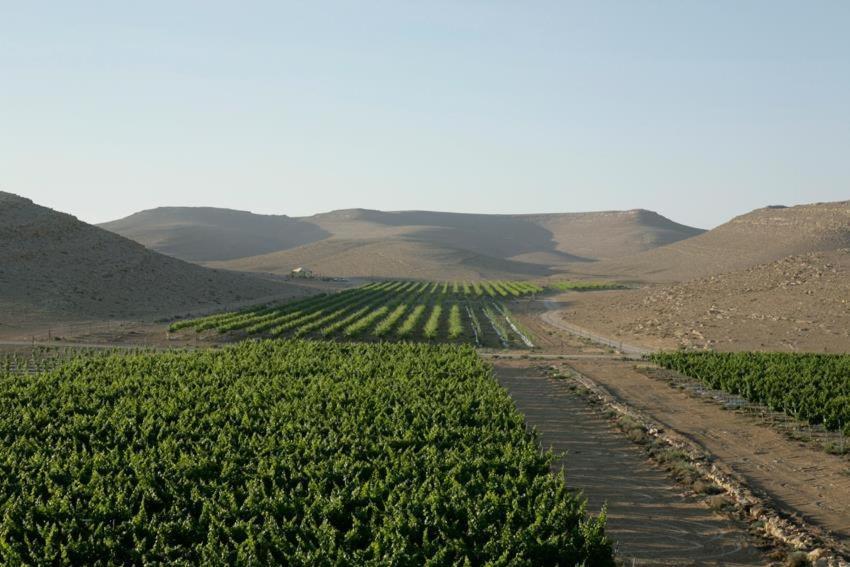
x: 199, y: 234
x: 377, y: 243
x: 388, y: 258
x: 797, y: 303
x: 612, y: 234
x: 54, y: 267
x: 761, y: 236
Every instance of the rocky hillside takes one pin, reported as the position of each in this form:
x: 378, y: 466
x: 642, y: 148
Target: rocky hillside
x: 797, y: 303
x: 53, y: 266
x: 761, y: 236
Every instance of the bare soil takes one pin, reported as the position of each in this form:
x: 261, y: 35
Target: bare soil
x: 151, y: 330
x: 799, y: 303
x: 801, y: 481
x: 387, y: 257
x: 549, y: 339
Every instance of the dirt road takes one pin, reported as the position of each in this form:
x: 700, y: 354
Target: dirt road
x: 652, y: 523
x: 552, y: 316
x: 800, y: 480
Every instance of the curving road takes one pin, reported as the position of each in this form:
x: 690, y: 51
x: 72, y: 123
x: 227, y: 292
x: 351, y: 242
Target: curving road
x: 552, y: 316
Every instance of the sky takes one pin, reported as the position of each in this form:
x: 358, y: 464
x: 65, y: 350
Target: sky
x: 698, y: 110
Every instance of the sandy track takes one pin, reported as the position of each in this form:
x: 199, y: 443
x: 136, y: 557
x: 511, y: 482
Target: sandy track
x: 651, y: 521
x: 555, y: 319
x: 799, y: 480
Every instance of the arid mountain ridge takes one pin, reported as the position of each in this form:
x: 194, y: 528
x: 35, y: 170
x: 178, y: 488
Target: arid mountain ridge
x: 637, y: 245
x: 362, y: 242
x: 776, y: 274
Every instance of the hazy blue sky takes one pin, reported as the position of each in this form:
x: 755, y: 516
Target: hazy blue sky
x: 699, y: 110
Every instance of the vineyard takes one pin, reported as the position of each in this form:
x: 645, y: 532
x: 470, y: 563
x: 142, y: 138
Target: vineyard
x: 461, y: 312
x: 281, y: 452
x: 585, y: 286
x: 810, y: 387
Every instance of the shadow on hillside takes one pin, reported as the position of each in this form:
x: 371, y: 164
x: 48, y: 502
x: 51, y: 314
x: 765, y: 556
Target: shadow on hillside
x: 498, y: 236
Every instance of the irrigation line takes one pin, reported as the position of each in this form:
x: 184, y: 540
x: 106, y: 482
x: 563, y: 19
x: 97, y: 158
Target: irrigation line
x: 499, y: 331
x: 473, y: 320
x: 776, y: 418
x: 507, y: 317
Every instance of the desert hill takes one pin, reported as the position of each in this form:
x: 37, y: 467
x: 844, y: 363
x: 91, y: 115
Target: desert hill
x: 362, y: 242
x: 761, y: 236
x: 388, y: 258
x: 800, y: 302
x: 199, y: 234
x: 612, y: 234
x: 55, y: 267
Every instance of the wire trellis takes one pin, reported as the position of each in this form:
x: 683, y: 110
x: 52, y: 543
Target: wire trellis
x: 34, y: 360
x: 832, y: 441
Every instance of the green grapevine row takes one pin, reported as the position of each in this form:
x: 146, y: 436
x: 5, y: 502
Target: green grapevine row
x: 585, y: 285
x: 389, y: 309
x: 433, y: 322
x: 455, y: 324
x: 810, y: 387
x: 409, y: 324
x: 281, y: 453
